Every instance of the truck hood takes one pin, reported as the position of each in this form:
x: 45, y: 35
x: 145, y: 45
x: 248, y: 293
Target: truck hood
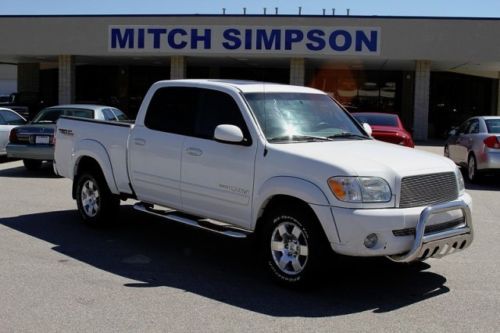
x: 364, y: 158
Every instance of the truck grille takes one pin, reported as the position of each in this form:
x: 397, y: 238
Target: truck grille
x: 424, y: 190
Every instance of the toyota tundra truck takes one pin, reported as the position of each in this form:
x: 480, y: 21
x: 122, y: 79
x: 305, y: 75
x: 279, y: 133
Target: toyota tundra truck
x: 285, y: 163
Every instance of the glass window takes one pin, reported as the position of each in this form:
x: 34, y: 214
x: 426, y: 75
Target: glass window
x: 474, y: 127
x: 377, y: 119
x: 283, y: 115
x: 10, y: 118
x: 48, y: 116
x: 463, y: 128
x: 172, y: 109
x: 493, y: 125
x: 119, y: 114
x: 108, y: 115
x: 81, y: 113
x: 217, y: 108
x: 2, y: 121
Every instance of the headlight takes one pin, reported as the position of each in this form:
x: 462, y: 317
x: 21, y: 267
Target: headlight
x: 360, y: 189
x: 460, y: 181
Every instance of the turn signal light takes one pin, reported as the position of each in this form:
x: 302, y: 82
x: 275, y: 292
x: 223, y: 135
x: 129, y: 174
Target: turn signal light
x: 13, y: 136
x: 492, y: 142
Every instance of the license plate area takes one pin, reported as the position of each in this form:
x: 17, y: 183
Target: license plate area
x: 42, y: 140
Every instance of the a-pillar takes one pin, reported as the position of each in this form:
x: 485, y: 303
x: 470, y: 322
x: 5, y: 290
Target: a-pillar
x: 297, y: 71
x: 66, y: 79
x: 28, y: 77
x: 177, y: 67
x: 421, y: 101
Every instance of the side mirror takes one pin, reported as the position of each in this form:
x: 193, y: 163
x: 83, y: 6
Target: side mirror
x: 228, y: 134
x: 367, y: 128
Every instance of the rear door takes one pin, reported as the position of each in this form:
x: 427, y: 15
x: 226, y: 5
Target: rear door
x: 155, y: 147
x: 217, y: 178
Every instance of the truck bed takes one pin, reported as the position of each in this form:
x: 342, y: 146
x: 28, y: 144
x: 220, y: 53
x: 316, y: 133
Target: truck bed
x: 89, y: 137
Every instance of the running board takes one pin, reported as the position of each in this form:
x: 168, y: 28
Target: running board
x: 200, y: 223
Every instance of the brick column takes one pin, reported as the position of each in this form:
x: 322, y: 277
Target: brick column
x: 297, y: 71
x: 28, y: 77
x: 177, y: 67
x: 66, y: 79
x: 421, y: 100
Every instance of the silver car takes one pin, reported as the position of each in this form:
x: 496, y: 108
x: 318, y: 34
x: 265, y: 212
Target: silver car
x: 34, y: 142
x: 476, y: 145
x: 8, y: 120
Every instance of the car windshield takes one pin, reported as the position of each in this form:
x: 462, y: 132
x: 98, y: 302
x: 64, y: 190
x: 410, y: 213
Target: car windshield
x: 291, y: 117
x: 377, y: 119
x: 493, y: 125
x: 50, y: 116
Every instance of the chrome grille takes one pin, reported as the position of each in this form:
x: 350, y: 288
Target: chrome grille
x: 423, y: 190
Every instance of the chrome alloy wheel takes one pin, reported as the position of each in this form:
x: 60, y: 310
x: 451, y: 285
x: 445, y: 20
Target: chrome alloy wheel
x: 289, y: 248
x: 90, y: 198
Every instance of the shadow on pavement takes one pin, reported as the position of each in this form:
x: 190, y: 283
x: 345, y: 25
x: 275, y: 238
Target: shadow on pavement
x: 157, y: 253
x: 21, y: 172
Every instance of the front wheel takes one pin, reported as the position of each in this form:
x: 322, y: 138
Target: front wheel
x: 293, y: 244
x: 96, y: 204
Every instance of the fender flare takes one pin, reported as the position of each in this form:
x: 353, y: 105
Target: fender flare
x: 300, y: 189
x: 95, y: 150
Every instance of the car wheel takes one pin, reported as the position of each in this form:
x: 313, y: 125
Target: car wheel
x: 446, y: 151
x: 32, y: 165
x: 96, y: 204
x: 472, y: 172
x: 292, y: 245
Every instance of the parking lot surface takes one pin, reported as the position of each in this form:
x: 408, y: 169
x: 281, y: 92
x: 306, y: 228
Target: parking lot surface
x: 144, y: 274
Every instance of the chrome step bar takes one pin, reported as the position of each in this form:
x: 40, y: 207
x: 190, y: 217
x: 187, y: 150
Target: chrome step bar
x: 200, y: 223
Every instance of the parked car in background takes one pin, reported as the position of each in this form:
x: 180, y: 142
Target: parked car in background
x: 8, y: 120
x: 34, y: 142
x: 386, y: 127
x: 476, y: 145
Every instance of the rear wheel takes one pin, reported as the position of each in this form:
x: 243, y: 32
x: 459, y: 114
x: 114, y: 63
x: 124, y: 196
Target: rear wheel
x: 472, y: 172
x: 32, y: 165
x: 96, y: 204
x: 292, y: 244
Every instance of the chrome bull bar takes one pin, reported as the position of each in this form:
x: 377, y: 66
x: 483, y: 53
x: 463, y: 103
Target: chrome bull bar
x: 441, y: 243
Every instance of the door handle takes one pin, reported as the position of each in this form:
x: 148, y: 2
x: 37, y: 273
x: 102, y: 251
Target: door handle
x: 194, y: 151
x: 139, y: 141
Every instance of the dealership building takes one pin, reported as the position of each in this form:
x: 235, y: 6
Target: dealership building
x: 433, y: 72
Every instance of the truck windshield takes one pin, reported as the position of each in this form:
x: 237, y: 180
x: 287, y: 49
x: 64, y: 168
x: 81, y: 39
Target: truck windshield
x: 292, y: 117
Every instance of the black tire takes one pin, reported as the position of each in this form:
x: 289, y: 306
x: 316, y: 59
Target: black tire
x: 96, y: 204
x: 32, y: 165
x: 472, y: 172
x: 293, y: 261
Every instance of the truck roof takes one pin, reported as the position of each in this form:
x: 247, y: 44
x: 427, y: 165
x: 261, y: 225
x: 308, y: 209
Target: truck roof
x: 244, y: 86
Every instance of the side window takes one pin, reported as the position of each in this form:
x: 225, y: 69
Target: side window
x: 10, y: 118
x: 463, y: 128
x: 217, y: 108
x: 474, y: 127
x: 108, y: 115
x: 2, y: 121
x: 172, y: 109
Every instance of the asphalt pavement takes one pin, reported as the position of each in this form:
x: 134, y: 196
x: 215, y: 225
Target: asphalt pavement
x: 147, y: 275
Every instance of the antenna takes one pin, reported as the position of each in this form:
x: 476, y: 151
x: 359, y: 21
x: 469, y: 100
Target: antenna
x: 265, y: 10
x: 244, y: 10
x: 223, y: 11
x: 300, y: 10
x: 276, y: 10
x: 324, y: 11
x: 348, y: 11
x: 333, y: 11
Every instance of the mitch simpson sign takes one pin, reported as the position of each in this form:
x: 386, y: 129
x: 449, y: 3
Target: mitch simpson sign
x: 245, y: 40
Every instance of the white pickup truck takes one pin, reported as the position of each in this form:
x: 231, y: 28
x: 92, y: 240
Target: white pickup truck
x: 284, y: 162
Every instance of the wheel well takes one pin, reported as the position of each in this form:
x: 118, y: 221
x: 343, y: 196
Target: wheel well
x: 281, y: 200
x: 85, y: 164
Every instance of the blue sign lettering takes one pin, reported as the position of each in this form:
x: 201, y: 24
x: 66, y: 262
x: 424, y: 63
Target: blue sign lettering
x: 339, y: 46
x: 157, y: 36
x: 171, y: 39
x: 206, y: 38
x: 292, y: 36
x: 232, y: 42
x: 122, y: 41
x: 362, y: 39
x: 273, y: 38
x: 316, y: 43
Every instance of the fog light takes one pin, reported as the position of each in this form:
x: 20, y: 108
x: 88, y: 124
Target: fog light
x: 371, y: 240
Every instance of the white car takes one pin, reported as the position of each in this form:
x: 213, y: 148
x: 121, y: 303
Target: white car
x: 8, y: 120
x: 284, y: 162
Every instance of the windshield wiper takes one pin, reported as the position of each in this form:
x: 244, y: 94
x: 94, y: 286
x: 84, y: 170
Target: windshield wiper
x: 299, y: 137
x: 347, y: 135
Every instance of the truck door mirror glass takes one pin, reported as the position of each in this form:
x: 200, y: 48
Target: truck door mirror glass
x: 367, y: 128
x: 228, y: 134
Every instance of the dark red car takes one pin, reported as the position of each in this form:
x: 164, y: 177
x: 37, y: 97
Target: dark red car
x: 386, y: 127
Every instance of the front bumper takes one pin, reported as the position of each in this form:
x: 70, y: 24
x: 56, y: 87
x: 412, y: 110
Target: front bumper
x: 401, y: 232
x: 29, y: 151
